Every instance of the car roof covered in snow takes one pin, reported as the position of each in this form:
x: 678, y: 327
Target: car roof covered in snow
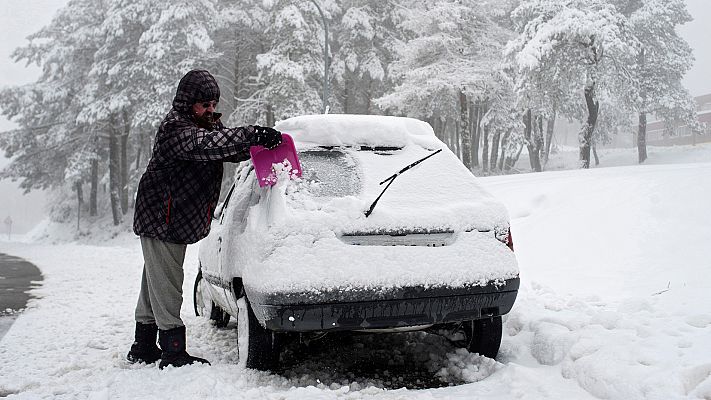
x: 358, y: 130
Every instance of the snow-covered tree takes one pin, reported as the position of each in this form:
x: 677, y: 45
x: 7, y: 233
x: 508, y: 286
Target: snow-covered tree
x: 503, y: 123
x: 147, y: 46
x: 238, y: 39
x: 50, y: 146
x: 449, y: 63
x: 109, y: 71
x: 292, y: 67
x: 663, y: 59
x: 571, y: 51
x: 363, y: 36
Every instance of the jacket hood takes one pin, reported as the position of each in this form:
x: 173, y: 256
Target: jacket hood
x: 196, y: 86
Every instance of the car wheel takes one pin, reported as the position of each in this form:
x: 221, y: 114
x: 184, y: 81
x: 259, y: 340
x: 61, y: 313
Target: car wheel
x: 483, y: 336
x: 259, y: 347
x: 205, y: 307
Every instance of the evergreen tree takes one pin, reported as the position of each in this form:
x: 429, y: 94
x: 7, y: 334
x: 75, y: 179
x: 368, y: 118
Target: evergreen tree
x: 569, y: 52
x: 663, y: 59
x: 450, y: 61
x: 50, y: 144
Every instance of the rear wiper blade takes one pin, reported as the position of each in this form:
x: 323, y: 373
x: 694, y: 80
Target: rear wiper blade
x: 391, y: 179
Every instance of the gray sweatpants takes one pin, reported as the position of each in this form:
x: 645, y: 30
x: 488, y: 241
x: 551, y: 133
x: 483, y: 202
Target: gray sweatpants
x: 162, y: 284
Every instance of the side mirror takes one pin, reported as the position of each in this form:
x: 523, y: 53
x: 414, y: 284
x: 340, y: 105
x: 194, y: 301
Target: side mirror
x: 218, y: 210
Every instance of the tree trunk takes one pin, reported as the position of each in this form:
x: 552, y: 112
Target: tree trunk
x: 504, y: 143
x: 484, y: 149
x: 550, y: 125
x: 449, y: 135
x: 597, y: 159
x: 642, y: 128
x: 511, y: 161
x: 369, y: 97
x: 270, y: 115
x: 124, y: 163
x: 586, y: 133
x: 642, y: 137
x: 80, y: 201
x: 140, y: 144
x: 94, y: 187
x: 114, y: 171
x: 531, y: 140
x: 443, y: 129
x: 437, y: 126
x: 538, y: 141
x: 464, y: 128
x: 457, y: 141
x: 346, y: 109
x: 94, y: 183
x: 474, y: 132
x: 495, y: 149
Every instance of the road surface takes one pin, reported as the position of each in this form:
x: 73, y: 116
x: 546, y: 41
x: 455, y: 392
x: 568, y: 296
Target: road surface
x: 17, y: 277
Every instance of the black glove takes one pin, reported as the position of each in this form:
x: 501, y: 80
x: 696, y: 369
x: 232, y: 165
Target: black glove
x: 267, y: 137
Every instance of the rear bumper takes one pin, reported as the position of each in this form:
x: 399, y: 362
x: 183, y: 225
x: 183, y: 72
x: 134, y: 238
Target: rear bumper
x: 429, y: 308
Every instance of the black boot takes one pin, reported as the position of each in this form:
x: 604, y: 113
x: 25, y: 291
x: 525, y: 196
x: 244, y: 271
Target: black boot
x: 144, y: 349
x: 172, y: 341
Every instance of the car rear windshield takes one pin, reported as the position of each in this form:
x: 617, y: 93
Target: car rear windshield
x: 333, y: 173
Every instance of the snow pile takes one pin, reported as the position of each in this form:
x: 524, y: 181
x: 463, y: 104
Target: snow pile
x: 467, y: 367
x: 628, y: 246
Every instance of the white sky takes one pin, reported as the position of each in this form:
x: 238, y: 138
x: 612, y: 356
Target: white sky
x: 697, y: 34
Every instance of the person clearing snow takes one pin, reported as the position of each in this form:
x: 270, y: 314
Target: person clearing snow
x: 176, y: 197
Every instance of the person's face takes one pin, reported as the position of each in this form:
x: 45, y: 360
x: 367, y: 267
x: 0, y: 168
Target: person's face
x: 204, y: 107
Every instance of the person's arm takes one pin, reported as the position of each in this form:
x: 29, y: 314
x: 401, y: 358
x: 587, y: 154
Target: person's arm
x: 189, y: 142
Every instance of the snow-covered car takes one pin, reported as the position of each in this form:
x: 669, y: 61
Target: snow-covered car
x: 320, y: 254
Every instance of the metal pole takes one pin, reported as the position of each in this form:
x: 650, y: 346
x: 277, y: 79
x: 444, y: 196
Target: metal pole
x: 325, y: 58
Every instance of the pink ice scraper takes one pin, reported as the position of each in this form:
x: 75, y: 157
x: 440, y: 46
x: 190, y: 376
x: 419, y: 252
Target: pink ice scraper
x: 263, y: 160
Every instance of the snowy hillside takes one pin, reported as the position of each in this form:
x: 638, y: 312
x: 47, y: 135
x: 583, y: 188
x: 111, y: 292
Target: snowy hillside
x: 614, y: 304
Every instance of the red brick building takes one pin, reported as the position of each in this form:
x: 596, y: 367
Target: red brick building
x: 658, y: 134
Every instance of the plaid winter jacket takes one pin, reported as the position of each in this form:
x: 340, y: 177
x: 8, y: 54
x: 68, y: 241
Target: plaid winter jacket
x: 181, y: 185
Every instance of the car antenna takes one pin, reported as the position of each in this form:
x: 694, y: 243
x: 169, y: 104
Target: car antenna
x: 392, y: 177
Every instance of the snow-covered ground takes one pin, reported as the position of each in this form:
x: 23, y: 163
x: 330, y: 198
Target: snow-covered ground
x: 614, y: 304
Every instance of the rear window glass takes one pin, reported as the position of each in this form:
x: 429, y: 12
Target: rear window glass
x: 330, y: 173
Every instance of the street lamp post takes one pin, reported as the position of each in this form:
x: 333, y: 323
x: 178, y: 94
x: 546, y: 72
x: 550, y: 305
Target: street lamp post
x: 325, y: 57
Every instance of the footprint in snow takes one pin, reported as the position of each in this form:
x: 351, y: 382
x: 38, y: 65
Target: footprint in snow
x: 699, y: 320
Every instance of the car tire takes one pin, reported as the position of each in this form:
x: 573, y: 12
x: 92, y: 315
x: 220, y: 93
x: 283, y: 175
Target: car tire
x: 205, y: 307
x: 483, y: 336
x: 259, y: 348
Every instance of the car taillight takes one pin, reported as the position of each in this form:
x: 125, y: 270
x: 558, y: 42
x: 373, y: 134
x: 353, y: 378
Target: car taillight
x: 509, y: 240
x: 506, y: 238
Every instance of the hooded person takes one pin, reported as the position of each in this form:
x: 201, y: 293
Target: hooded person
x: 176, y: 197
